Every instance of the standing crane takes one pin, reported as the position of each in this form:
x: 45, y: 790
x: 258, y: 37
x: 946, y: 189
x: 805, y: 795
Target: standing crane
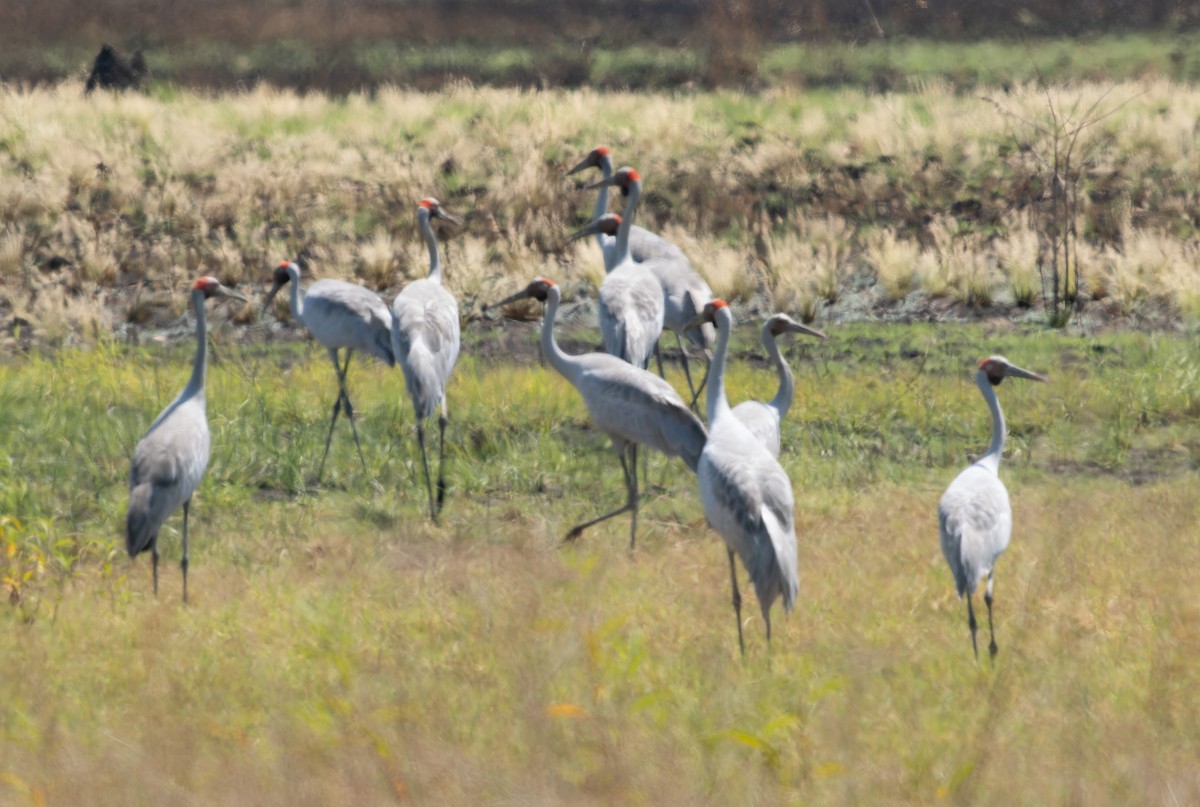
x: 684, y: 291
x: 747, y: 495
x: 425, y: 340
x: 974, y: 514
x: 631, y: 301
x: 171, y: 457
x: 339, y: 315
x: 631, y: 405
x: 763, y: 419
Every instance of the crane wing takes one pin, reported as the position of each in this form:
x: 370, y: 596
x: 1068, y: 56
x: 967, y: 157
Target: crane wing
x: 975, y: 522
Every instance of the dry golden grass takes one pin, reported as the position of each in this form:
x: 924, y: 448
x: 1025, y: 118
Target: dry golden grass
x: 779, y: 198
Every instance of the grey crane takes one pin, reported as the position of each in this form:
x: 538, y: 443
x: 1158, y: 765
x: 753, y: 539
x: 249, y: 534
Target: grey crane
x: 425, y: 341
x: 631, y: 300
x: 170, y: 459
x: 974, y: 514
x: 631, y: 405
x: 747, y: 495
x: 339, y: 315
x: 684, y: 290
x: 763, y: 418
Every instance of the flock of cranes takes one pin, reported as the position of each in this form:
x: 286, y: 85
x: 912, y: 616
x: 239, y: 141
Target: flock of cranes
x: 746, y: 494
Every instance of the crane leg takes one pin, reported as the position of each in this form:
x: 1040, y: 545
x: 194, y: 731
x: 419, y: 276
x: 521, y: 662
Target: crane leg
x: 703, y: 381
x: 183, y: 563
x: 350, y: 409
x: 154, y: 561
x: 972, y: 624
x: 658, y: 358
x: 337, y: 407
x: 441, y: 483
x: 687, y: 373
x: 737, y: 603
x: 425, y: 465
x: 987, y: 598
x: 578, y: 529
x: 633, y: 493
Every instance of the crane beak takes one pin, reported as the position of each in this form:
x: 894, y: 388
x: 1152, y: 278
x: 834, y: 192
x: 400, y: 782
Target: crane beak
x: 698, y: 320
x: 590, y: 228
x: 796, y: 327
x: 601, y: 183
x: 231, y: 294
x: 270, y: 296
x: 521, y: 295
x: 1012, y: 371
x: 584, y: 164
x: 441, y: 214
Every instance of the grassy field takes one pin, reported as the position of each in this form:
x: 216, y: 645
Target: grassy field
x: 340, y: 649
x: 834, y: 204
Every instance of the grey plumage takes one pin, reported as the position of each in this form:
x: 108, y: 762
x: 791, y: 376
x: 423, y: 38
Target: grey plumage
x: 974, y: 514
x: 170, y: 460
x: 339, y: 315
x: 425, y: 341
x: 632, y: 406
x: 747, y: 495
x: 684, y: 290
x: 764, y: 419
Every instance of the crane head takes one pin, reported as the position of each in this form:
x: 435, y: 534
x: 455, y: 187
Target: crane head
x: 708, y: 314
x: 997, y: 368
x: 595, y: 159
x: 434, y: 208
x: 211, y: 287
x: 281, y: 275
x: 782, y: 323
x: 625, y: 178
x: 608, y: 224
x: 539, y: 289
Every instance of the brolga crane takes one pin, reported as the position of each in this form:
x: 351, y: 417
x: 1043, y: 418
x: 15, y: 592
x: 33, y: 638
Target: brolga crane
x: 684, y: 291
x: 747, y: 495
x: 632, y: 406
x: 425, y: 342
x: 974, y: 514
x: 339, y: 315
x: 170, y: 459
x: 631, y: 301
x: 763, y: 419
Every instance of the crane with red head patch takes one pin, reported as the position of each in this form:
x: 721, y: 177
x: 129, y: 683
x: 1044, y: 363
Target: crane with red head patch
x: 974, y: 514
x: 170, y: 460
x: 425, y: 341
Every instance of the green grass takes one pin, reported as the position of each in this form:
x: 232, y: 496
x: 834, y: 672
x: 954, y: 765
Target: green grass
x: 339, y: 648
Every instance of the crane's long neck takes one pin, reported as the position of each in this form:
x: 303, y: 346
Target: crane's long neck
x: 435, y: 263
x: 296, y: 296
x: 622, y: 248
x: 782, y: 401
x: 717, y: 403
x: 996, y: 449
x: 606, y: 171
x: 564, y: 364
x: 195, y: 385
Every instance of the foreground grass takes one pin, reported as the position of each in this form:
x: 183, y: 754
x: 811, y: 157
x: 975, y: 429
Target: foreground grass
x: 339, y: 648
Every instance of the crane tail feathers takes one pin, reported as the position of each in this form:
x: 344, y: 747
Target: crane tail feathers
x: 139, y: 524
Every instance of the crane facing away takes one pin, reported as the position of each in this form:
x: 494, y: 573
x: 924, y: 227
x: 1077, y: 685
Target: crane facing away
x: 631, y: 301
x: 171, y: 458
x: 747, y: 495
x: 339, y: 315
x: 974, y: 514
x: 684, y: 291
x: 425, y: 340
x: 764, y: 419
x: 632, y: 406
